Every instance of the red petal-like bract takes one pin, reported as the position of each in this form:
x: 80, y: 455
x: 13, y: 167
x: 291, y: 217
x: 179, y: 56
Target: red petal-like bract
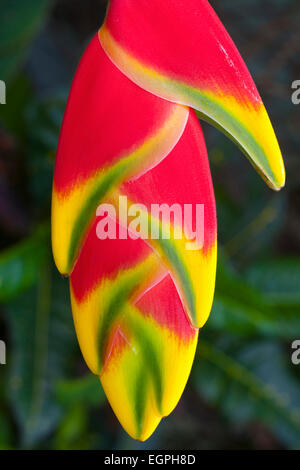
x: 179, y: 50
x: 112, y: 130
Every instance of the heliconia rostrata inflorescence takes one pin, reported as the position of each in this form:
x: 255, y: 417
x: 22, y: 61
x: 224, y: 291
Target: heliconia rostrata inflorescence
x: 130, y: 133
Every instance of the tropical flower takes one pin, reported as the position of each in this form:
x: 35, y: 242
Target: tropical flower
x: 130, y: 132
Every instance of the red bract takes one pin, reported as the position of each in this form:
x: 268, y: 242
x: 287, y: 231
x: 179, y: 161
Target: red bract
x: 180, y: 50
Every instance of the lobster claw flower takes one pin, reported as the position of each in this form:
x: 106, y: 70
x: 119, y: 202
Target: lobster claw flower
x: 130, y: 139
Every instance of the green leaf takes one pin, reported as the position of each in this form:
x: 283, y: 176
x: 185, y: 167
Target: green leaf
x: 256, y: 228
x: 20, y: 23
x: 19, y: 94
x: 42, y: 122
x: 85, y: 390
x: 20, y: 265
x: 72, y: 433
x: 257, y: 383
x: 243, y: 309
x: 278, y: 279
x: 6, y: 432
x: 42, y: 343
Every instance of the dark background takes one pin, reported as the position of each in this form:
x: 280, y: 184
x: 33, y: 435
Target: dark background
x: 244, y: 391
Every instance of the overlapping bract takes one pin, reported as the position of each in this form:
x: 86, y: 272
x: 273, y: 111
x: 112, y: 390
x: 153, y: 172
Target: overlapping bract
x: 112, y: 130
x: 129, y: 135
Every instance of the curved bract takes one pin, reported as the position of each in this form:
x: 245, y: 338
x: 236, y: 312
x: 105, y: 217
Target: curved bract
x: 182, y: 179
x: 112, y: 129
x: 129, y: 141
x: 180, y: 50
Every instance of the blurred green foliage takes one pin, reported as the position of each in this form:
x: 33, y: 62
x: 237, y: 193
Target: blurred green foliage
x: 21, y: 21
x: 244, y: 389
